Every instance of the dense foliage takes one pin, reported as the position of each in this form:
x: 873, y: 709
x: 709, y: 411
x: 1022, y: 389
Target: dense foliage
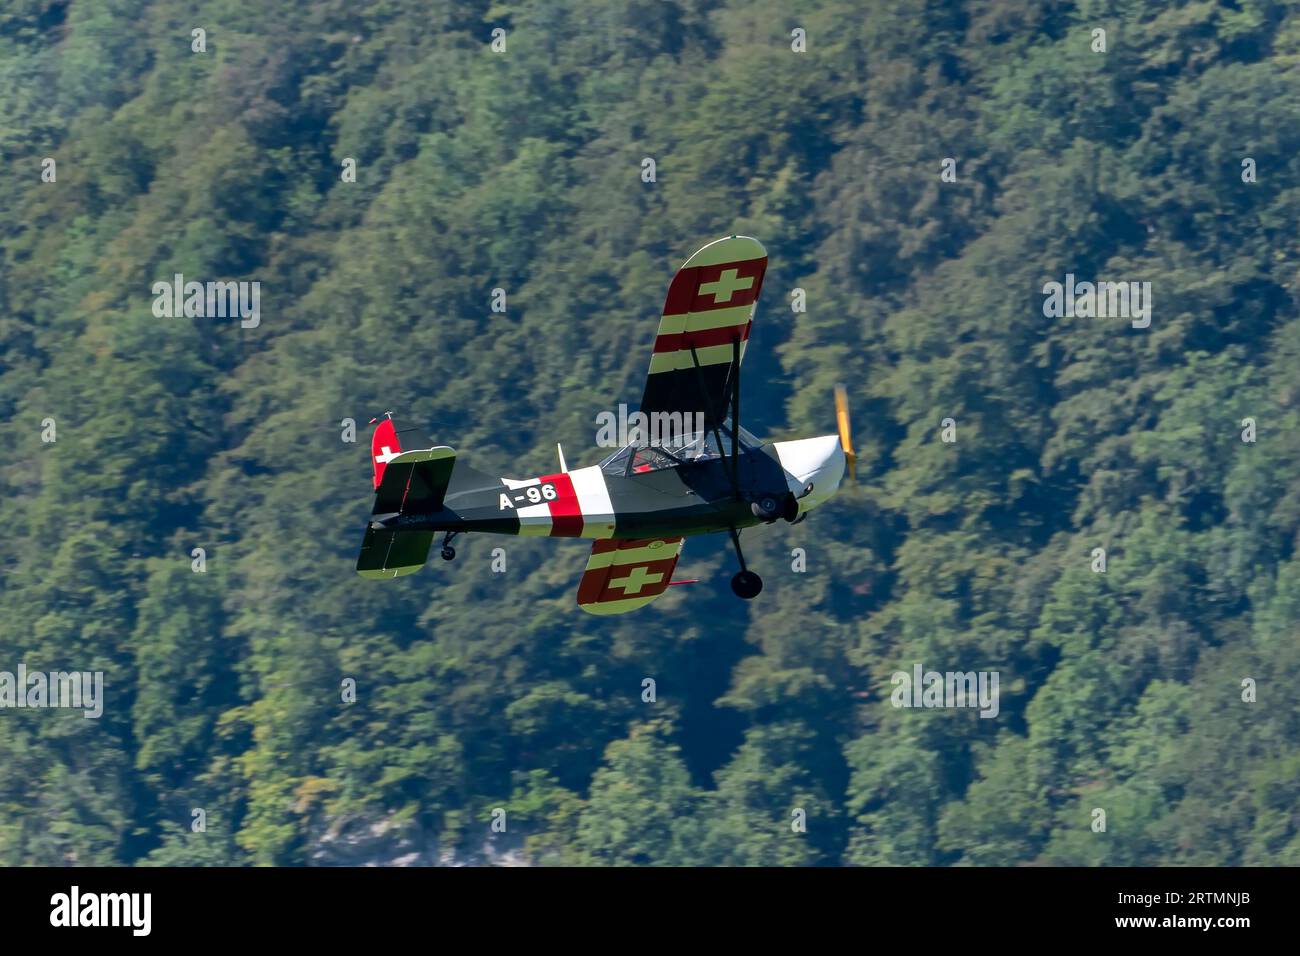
x: 522, y: 170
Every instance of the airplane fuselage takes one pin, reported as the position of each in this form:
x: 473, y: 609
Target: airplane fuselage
x: 786, y: 479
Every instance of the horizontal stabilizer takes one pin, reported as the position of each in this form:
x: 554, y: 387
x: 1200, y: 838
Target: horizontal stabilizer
x: 391, y: 554
x: 415, y: 482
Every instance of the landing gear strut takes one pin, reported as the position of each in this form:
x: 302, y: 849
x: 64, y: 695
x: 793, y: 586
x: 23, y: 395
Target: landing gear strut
x: 746, y: 584
x: 448, y: 552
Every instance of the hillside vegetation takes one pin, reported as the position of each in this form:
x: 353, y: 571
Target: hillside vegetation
x: 521, y: 170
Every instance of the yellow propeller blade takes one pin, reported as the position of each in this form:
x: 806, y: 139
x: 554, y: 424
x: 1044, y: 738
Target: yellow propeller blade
x: 846, y: 432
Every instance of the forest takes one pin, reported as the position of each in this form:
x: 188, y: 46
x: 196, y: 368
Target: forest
x: 1103, y: 513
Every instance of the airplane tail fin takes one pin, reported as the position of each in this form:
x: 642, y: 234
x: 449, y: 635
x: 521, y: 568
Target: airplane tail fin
x: 411, y: 476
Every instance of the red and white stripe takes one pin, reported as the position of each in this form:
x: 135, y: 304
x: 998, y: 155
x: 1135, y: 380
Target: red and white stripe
x: 580, y: 509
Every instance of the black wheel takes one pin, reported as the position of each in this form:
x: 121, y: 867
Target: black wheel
x: 767, y: 508
x: 747, y: 584
x: 448, y: 553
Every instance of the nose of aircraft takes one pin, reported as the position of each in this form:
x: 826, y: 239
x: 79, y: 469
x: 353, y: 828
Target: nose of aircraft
x: 816, y: 461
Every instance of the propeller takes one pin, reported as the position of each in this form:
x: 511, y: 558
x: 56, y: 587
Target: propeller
x: 846, y: 437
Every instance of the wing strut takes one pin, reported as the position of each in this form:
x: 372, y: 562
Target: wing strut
x: 735, y: 416
x: 713, y: 419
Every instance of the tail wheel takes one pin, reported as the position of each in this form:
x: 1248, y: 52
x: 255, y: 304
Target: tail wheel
x: 448, y: 553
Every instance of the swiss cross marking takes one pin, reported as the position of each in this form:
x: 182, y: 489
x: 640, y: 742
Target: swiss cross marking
x: 636, y: 579
x: 728, y: 284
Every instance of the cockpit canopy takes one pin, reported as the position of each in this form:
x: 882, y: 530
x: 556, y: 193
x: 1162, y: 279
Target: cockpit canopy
x: 641, y: 456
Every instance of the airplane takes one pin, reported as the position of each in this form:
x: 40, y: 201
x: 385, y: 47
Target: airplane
x: 641, y: 501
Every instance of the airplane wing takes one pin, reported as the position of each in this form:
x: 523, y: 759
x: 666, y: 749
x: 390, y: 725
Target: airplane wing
x: 710, y: 305
x: 625, y: 575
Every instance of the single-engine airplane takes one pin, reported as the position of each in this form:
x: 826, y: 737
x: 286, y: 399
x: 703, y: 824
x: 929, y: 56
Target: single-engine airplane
x: 642, y: 500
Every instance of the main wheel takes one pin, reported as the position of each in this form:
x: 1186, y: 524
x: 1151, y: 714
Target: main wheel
x: 746, y: 585
x: 766, y: 508
x: 448, y: 553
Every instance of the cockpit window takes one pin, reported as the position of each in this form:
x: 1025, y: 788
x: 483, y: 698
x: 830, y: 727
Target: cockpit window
x: 651, y: 459
x: 639, y: 457
x: 699, y: 446
x: 616, y: 464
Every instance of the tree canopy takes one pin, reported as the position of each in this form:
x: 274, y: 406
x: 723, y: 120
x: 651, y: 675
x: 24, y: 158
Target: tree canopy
x: 918, y: 172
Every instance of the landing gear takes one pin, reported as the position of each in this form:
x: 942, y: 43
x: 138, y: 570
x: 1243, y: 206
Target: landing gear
x: 746, y: 584
x: 448, y: 552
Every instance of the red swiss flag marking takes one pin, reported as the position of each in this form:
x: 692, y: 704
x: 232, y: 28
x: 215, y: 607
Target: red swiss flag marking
x: 723, y: 286
x: 384, y: 447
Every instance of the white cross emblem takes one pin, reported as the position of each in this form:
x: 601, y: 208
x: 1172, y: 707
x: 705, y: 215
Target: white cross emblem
x: 387, y: 456
x: 636, y: 579
x: 728, y: 284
